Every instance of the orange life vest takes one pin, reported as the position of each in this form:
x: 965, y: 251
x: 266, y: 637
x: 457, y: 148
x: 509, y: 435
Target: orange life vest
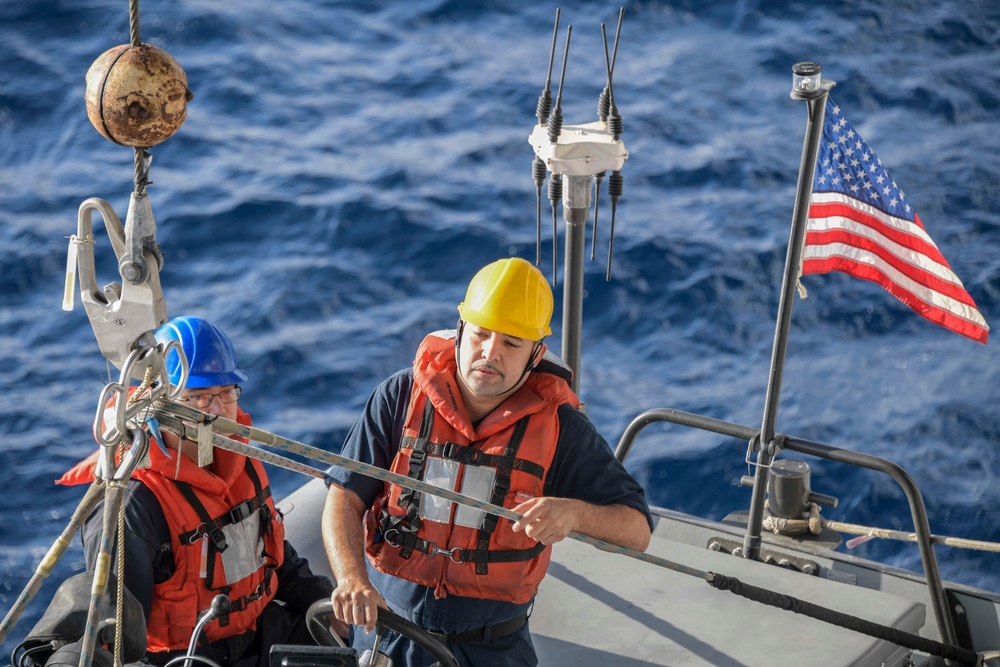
x: 448, y: 547
x: 222, y: 524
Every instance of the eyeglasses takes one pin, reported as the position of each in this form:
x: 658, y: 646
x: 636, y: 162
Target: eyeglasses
x: 202, y: 401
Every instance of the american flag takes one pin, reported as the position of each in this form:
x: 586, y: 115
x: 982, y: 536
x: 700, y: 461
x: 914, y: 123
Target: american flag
x: 861, y: 223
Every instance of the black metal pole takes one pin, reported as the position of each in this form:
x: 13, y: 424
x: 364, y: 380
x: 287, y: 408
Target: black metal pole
x: 815, y: 99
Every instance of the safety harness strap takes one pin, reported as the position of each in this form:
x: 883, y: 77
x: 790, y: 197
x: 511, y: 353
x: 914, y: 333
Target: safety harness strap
x: 456, y: 452
x: 212, y: 528
x: 500, y: 488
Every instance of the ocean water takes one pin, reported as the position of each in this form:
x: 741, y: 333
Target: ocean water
x: 346, y: 167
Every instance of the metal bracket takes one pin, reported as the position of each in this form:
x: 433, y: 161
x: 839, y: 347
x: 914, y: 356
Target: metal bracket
x: 803, y: 565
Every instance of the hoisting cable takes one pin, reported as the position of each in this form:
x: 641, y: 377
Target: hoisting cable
x: 173, y: 416
x: 147, y: 380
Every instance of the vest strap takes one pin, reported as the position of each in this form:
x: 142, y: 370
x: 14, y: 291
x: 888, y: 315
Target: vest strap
x: 462, y: 454
x: 212, y: 527
x: 458, y: 555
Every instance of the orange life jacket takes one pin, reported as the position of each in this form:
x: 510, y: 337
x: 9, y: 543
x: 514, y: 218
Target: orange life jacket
x: 448, y: 547
x: 221, y: 522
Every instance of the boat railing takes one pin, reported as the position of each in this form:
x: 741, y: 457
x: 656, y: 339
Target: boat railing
x: 918, y: 511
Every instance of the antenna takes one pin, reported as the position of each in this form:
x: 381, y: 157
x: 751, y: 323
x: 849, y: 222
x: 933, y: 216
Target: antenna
x: 555, y: 181
x: 538, y: 168
x: 614, y: 125
x: 555, y: 194
x: 603, y: 107
x: 574, y: 157
x: 544, y: 105
x: 603, y: 104
x: 556, y: 120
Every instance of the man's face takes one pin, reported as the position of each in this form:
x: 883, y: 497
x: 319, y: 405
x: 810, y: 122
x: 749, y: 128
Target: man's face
x: 491, y: 362
x: 220, y: 401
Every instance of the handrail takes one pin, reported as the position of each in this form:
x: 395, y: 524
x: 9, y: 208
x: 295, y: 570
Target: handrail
x: 918, y: 511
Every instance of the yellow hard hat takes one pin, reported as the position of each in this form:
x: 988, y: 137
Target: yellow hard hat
x: 510, y: 296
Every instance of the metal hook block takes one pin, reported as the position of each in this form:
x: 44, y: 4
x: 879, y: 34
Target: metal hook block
x: 123, y: 316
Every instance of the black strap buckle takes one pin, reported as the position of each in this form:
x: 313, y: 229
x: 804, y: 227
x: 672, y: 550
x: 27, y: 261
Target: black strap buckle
x: 218, y: 538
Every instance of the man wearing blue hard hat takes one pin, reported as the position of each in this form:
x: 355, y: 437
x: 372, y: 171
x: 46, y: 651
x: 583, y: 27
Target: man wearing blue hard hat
x: 194, y: 532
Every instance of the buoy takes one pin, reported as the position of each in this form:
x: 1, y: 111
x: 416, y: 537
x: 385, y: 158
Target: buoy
x: 137, y: 95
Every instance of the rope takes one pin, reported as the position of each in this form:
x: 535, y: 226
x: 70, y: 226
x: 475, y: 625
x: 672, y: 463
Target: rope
x: 120, y: 593
x: 113, y: 497
x: 815, y: 524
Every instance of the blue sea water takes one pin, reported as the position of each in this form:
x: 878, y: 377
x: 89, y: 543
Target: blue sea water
x: 346, y: 167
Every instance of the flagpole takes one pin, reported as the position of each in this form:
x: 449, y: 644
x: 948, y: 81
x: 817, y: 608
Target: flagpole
x: 810, y: 88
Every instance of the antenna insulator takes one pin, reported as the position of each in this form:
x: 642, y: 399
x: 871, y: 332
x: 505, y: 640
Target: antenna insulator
x: 604, y: 105
x: 555, y: 125
x: 616, y: 185
x: 615, y: 126
x: 538, y: 171
x: 544, y: 106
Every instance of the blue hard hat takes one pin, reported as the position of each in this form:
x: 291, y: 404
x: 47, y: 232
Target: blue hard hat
x: 210, y: 354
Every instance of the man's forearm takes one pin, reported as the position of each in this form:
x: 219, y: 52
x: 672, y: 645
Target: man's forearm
x: 343, y: 535
x: 618, y: 524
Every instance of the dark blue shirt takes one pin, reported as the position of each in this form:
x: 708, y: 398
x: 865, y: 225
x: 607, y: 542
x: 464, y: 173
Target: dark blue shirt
x: 583, y: 468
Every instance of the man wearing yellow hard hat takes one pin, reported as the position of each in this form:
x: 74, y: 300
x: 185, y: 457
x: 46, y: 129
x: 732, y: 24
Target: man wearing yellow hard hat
x: 484, y: 411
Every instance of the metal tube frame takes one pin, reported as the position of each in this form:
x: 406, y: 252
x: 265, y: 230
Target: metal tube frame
x: 935, y: 587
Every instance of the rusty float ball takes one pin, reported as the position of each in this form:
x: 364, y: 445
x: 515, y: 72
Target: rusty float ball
x: 137, y: 95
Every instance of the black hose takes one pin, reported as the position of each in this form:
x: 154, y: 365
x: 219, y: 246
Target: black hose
x: 789, y: 603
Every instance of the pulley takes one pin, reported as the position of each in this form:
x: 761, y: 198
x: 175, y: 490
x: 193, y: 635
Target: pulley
x: 137, y: 95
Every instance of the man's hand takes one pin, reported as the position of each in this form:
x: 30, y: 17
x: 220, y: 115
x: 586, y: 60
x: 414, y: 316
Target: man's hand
x: 547, y: 520
x: 357, y: 602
